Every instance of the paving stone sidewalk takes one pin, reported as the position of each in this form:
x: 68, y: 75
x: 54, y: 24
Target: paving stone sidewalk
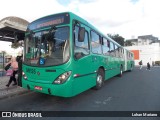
x: 6, y: 92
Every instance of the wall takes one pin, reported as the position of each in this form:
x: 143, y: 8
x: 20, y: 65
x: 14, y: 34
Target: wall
x: 147, y: 53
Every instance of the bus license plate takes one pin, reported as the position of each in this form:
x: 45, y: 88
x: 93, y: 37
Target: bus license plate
x: 38, y: 88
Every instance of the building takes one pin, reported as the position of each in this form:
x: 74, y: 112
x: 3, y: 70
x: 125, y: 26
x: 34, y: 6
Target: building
x: 145, y: 48
x: 144, y: 40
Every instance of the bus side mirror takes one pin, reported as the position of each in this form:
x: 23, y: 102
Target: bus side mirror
x: 81, y: 34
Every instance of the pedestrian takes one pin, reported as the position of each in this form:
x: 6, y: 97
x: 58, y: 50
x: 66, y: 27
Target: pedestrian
x: 19, y: 60
x: 140, y: 63
x: 148, y: 66
x: 14, y: 67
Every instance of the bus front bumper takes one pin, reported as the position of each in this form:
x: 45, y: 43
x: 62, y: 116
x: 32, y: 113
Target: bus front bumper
x: 63, y: 90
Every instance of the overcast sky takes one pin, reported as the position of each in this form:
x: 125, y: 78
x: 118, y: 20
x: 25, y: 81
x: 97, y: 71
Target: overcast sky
x: 128, y: 18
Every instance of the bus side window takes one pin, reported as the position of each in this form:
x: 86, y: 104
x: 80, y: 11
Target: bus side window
x: 127, y: 55
x: 120, y: 52
x: 112, y: 49
x: 105, y: 46
x: 116, y: 50
x: 80, y: 48
x: 96, y: 43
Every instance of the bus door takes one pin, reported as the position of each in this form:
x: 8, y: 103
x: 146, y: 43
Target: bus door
x: 82, y: 60
x: 113, y: 65
x: 107, y: 58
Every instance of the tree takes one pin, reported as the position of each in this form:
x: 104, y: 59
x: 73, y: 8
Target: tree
x: 117, y: 38
x: 128, y: 43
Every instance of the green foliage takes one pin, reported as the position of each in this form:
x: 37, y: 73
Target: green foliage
x: 128, y: 43
x: 116, y: 37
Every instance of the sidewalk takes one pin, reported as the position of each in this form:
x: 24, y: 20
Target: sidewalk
x: 6, y: 92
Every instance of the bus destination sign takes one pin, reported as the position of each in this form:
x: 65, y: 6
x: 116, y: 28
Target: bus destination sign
x: 57, y: 19
x: 52, y: 22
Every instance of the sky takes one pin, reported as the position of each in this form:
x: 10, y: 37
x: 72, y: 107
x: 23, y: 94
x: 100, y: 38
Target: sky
x: 128, y: 18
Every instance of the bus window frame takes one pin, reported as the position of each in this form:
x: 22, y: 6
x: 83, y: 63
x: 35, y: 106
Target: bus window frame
x: 100, y: 42
x: 79, y: 24
x: 112, y: 53
x: 108, y: 45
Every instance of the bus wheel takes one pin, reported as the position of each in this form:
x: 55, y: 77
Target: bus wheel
x: 121, y: 71
x: 99, y: 79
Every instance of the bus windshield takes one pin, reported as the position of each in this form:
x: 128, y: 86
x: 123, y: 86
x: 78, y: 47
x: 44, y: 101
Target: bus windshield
x: 47, y: 48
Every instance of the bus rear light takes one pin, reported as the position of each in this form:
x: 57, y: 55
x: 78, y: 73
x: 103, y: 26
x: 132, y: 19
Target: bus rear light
x: 62, y: 78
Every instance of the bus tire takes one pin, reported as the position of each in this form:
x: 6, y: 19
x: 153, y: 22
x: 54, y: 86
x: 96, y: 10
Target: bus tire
x: 121, y: 71
x: 99, y: 79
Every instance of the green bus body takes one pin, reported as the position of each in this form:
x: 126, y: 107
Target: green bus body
x: 75, y: 73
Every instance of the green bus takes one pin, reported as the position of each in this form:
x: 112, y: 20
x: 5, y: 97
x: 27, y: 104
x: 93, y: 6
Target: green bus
x: 65, y: 55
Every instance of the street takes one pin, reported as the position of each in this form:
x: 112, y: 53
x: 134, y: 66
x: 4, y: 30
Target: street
x: 135, y: 91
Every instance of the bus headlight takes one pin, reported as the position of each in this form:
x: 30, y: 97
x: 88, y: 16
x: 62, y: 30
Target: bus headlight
x: 24, y: 75
x: 62, y: 78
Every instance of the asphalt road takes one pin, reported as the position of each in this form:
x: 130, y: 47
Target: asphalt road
x: 138, y: 90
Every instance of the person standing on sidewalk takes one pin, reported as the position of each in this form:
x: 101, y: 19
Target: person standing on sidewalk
x: 148, y: 66
x: 14, y: 67
x: 140, y: 63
